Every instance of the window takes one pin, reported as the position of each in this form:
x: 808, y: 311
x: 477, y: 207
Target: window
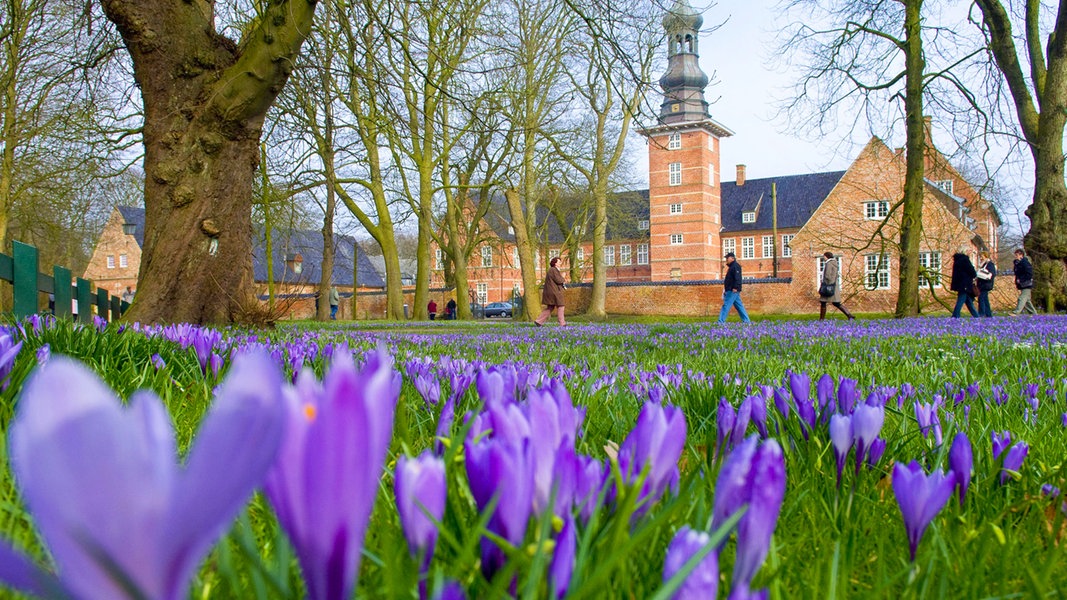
x: 729, y: 245
x: 878, y: 209
x: 676, y: 274
x: 624, y: 255
x: 580, y: 256
x: 931, y: 263
x: 876, y: 271
x: 438, y: 257
x: 944, y: 185
x: 483, y: 293
x: 515, y: 256
x: 787, y: 248
x: 642, y: 254
x: 579, y: 230
x: 552, y: 254
x: 676, y: 238
x: 123, y: 261
x: 511, y: 230
x: 675, y: 170
x: 609, y: 256
x: 711, y: 173
x: 642, y: 225
x: 676, y: 209
x: 674, y: 142
x: 487, y: 256
x: 768, y: 246
x: 748, y: 247
x: 748, y: 217
x: 110, y: 262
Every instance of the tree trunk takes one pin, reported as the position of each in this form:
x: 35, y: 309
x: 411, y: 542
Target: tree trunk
x: 600, y: 270
x: 912, y: 206
x: 205, y: 99
x: 531, y: 304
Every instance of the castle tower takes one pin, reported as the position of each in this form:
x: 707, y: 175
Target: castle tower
x: 683, y: 162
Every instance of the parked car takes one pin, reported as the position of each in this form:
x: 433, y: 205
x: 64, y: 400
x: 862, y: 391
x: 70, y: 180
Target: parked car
x: 499, y: 309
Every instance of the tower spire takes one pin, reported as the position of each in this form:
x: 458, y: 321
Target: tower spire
x: 684, y: 82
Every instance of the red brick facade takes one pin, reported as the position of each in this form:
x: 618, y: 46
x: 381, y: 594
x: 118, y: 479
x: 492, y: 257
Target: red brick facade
x: 116, y: 258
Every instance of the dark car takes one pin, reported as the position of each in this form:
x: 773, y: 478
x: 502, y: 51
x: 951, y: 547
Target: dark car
x: 498, y: 309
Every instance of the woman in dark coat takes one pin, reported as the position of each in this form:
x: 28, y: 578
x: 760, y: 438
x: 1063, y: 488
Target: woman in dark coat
x: 552, y: 296
x: 829, y: 277
x: 963, y: 275
x: 986, y: 276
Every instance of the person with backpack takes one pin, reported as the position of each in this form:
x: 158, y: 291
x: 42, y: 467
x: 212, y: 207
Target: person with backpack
x: 1024, y: 282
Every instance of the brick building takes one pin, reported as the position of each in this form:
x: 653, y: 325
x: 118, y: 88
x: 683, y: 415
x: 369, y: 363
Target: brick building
x: 681, y: 227
x: 295, y: 263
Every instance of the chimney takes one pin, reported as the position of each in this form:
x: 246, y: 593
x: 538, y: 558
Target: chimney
x: 740, y: 175
x: 928, y: 130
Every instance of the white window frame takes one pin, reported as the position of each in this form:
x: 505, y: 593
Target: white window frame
x: 768, y: 246
x: 748, y: 248
x: 124, y: 261
x: 487, y: 256
x: 483, y: 293
x: 110, y: 261
x: 579, y: 255
x: 822, y: 267
x: 674, y: 171
x: 875, y: 210
x: 676, y: 208
x: 711, y: 173
x: 676, y: 239
x: 642, y: 254
x: 624, y: 255
x: 876, y: 275
x: 748, y: 216
x: 729, y: 245
x: 553, y: 253
x: 439, y: 257
x: 674, y: 141
x: 945, y: 185
x: 609, y: 256
x: 515, y: 256
x: 932, y: 262
x: 642, y: 225
x: 787, y: 245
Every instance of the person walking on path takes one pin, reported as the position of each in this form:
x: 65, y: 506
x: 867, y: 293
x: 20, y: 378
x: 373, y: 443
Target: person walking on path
x: 1024, y: 282
x: 987, y: 275
x: 552, y: 295
x: 829, y: 291
x: 963, y: 275
x: 450, y: 310
x: 335, y: 301
x: 731, y: 292
x: 431, y: 307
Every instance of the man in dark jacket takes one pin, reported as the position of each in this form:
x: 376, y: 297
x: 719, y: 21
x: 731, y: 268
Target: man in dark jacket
x: 963, y: 275
x: 1024, y: 282
x: 731, y: 293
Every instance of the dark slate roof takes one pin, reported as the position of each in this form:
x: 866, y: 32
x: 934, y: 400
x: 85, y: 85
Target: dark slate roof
x: 625, y: 210
x: 798, y: 197
x: 306, y: 243
x: 135, y: 215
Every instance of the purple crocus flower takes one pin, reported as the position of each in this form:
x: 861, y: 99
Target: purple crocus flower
x: 591, y: 477
x: 960, y: 460
x: 876, y: 452
x: 9, y: 351
x: 847, y: 395
x: 1013, y: 460
x: 754, y: 530
x: 781, y: 402
x: 757, y: 409
x: 157, y: 362
x: 841, y: 439
x: 451, y: 590
x: 105, y: 489
x: 1000, y: 442
x: 703, y: 580
x: 824, y: 391
x: 800, y: 386
x: 867, y: 421
x: 43, y: 354
x: 326, y: 479
x: 420, y: 501
x: 500, y: 468
x: 920, y: 497
x: 655, y: 443
x: 562, y: 566
x: 744, y: 415
x: 725, y: 417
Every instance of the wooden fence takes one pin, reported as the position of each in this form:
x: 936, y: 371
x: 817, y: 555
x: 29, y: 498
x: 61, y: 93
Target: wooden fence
x: 23, y: 271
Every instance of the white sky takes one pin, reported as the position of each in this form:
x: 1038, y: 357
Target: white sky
x: 742, y: 95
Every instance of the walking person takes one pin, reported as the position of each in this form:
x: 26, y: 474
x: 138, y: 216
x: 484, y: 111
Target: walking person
x: 552, y: 295
x: 1024, y: 282
x: 987, y: 275
x: 335, y: 301
x: 731, y: 290
x: 829, y: 291
x: 431, y: 307
x: 963, y: 275
x: 450, y: 310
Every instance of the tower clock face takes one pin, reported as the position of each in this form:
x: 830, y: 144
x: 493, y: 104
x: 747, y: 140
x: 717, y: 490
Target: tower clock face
x: 676, y: 107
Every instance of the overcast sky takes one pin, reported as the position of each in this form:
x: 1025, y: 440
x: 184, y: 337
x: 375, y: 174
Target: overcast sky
x: 743, y: 93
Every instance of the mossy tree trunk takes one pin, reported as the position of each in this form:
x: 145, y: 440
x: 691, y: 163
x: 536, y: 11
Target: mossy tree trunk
x: 205, y: 99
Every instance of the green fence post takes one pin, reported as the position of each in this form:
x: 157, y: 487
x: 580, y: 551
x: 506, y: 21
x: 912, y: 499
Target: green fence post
x: 116, y: 308
x: 62, y: 292
x: 85, y: 302
x: 25, y: 279
x: 101, y: 303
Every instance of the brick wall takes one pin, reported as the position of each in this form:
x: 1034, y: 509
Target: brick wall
x: 115, y: 244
